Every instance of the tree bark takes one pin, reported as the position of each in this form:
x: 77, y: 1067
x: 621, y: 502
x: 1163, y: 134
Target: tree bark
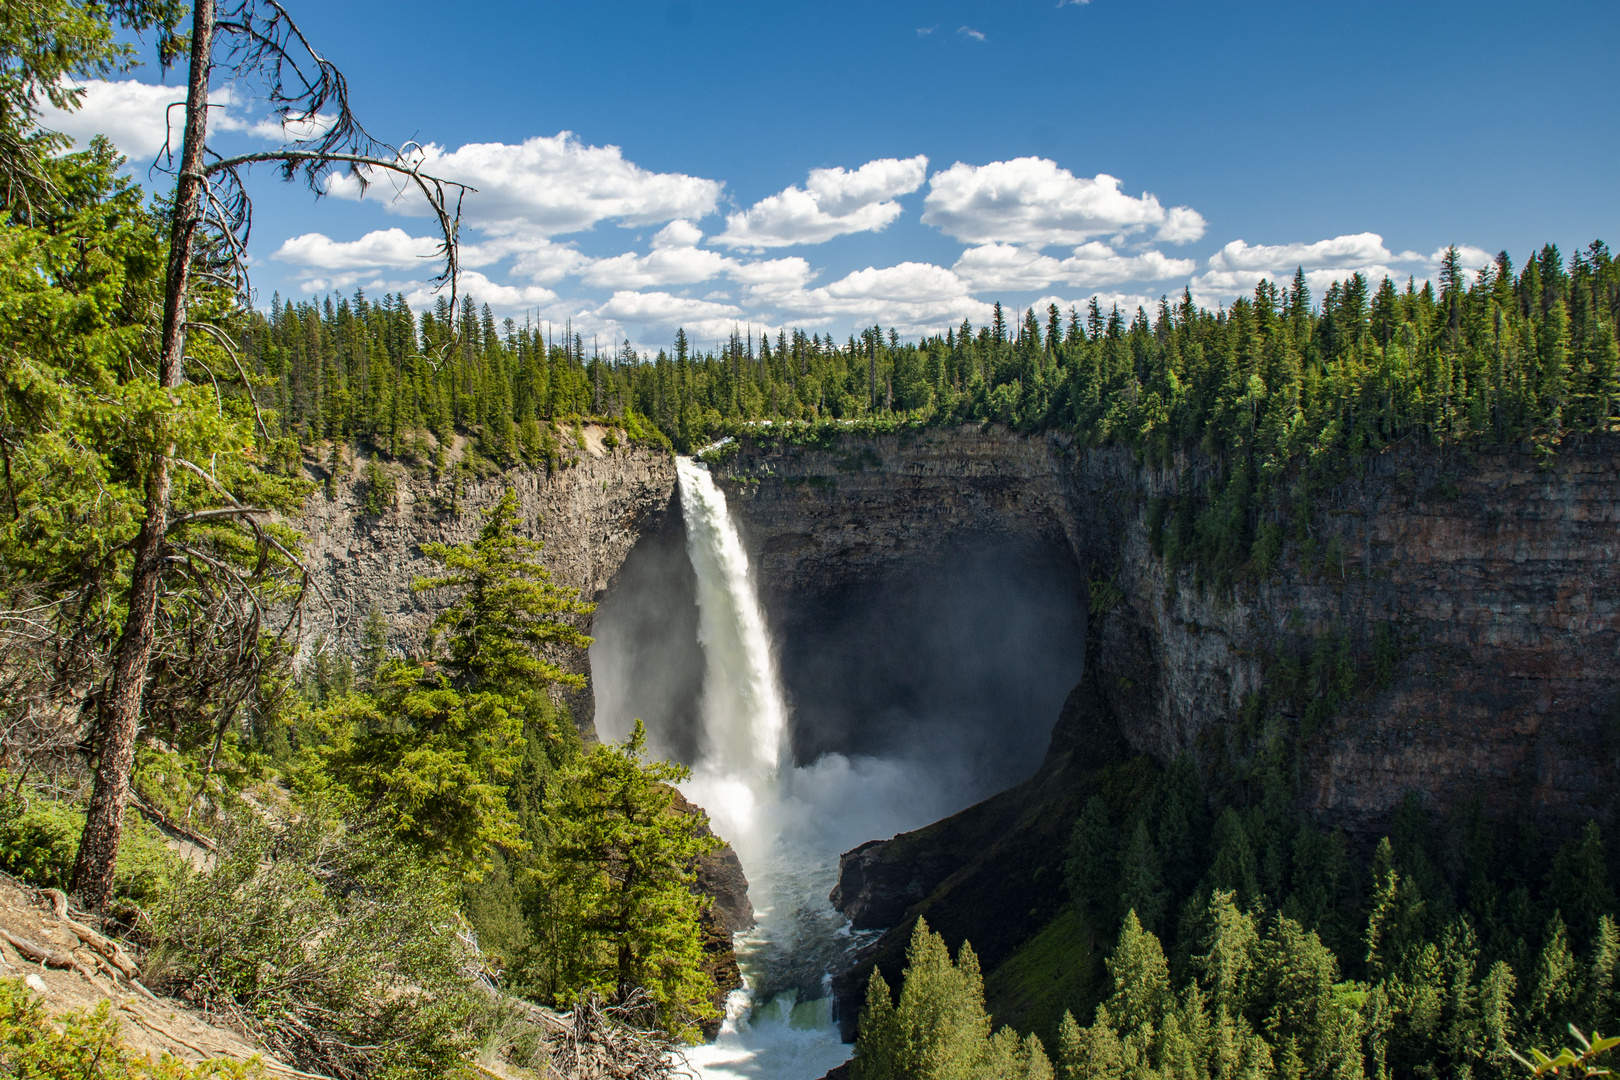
x: 121, y: 715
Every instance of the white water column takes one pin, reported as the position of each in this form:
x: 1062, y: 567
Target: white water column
x: 743, y: 714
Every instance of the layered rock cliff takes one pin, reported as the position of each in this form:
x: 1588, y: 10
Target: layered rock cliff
x: 1495, y: 575
x: 588, y: 514
x: 1492, y: 577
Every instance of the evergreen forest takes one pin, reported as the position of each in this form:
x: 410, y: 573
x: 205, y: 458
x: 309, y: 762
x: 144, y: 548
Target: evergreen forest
x: 1280, y: 392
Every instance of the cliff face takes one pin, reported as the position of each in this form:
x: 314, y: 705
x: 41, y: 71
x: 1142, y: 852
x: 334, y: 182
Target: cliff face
x: 1495, y: 578
x: 588, y: 515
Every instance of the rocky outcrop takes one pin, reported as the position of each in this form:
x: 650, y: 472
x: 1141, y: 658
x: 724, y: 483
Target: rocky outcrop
x: 820, y: 518
x: 991, y: 874
x: 720, y: 878
x: 588, y: 514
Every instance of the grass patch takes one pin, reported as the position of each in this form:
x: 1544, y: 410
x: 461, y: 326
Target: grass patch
x: 1052, y: 971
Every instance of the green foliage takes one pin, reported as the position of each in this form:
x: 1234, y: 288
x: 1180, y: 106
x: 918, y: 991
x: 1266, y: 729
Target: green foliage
x: 46, y: 47
x: 939, y: 1029
x: 40, y: 837
x: 1581, y: 1061
x: 329, y: 942
x: 508, y: 613
x: 433, y: 746
x: 620, y: 868
x: 72, y: 1046
x: 382, y: 490
x: 373, y: 646
x: 1285, y: 949
x: 1284, y: 396
x: 1053, y: 972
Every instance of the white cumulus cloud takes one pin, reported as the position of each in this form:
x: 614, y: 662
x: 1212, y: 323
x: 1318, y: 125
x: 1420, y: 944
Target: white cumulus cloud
x: 503, y: 299
x: 662, y: 266
x: 1033, y: 201
x: 1239, y: 266
x: 550, y: 185
x: 911, y: 297
x: 659, y: 313
x: 1007, y: 266
x: 390, y: 248
x: 833, y: 202
x: 136, y: 117
x: 129, y: 113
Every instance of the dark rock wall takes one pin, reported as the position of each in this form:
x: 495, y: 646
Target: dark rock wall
x: 1496, y: 576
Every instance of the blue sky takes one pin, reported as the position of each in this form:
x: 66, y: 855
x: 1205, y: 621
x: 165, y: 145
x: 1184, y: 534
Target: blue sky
x: 834, y: 165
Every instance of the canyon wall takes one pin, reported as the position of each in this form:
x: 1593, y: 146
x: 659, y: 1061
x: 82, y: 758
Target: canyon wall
x: 588, y: 515
x: 1495, y: 576
x: 1492, y: 577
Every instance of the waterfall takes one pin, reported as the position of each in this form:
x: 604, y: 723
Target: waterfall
x: 787, y: 822
x: 780, y: 1025
x: 744, y: 717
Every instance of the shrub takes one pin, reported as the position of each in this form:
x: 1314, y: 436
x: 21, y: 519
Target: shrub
x: 381, y: 490
x: 73, y: 1046
x: 330, y: 943
x: 39, y: 839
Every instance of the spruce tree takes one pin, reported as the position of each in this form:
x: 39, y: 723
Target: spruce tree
x: 435, y: 747
x: 1140, y: 978
x: 1141, y: 880
x: 878, y: 1046
x: 621, y: 862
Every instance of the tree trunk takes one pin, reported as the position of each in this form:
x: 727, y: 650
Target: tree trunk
x: 121, y: 715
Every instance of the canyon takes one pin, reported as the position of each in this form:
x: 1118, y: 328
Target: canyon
x: 1493, y: 575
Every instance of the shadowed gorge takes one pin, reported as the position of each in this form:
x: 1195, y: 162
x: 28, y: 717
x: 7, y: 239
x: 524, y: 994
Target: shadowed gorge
x: 965, y: 657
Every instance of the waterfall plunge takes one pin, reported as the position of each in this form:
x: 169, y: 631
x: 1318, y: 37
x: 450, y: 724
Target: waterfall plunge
x: 741, y: 779
x: 744, y: 718
x: 723, y: 713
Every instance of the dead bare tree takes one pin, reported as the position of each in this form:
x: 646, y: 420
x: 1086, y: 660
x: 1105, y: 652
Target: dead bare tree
x: 257, y: 43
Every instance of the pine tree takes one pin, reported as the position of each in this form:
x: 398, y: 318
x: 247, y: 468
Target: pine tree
x: 1554, y: 989
x: 434, y: 749
x: 1094, y: 1053
x: 373, y: 646
x: 1579, y: 883
x: 878, y: 1046
x: 1141, y: 881
x: 623, y: 860
x: 1598, y: 998
x: 1233, y: 867
x: 1141, y: 978
x: 943, y: 1027
x: 1089, y: 870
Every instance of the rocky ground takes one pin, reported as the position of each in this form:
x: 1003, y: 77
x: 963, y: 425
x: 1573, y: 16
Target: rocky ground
x: 75, y: 976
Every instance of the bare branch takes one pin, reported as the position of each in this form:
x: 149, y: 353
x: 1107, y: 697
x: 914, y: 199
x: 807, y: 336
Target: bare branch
x: 208, y: 515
